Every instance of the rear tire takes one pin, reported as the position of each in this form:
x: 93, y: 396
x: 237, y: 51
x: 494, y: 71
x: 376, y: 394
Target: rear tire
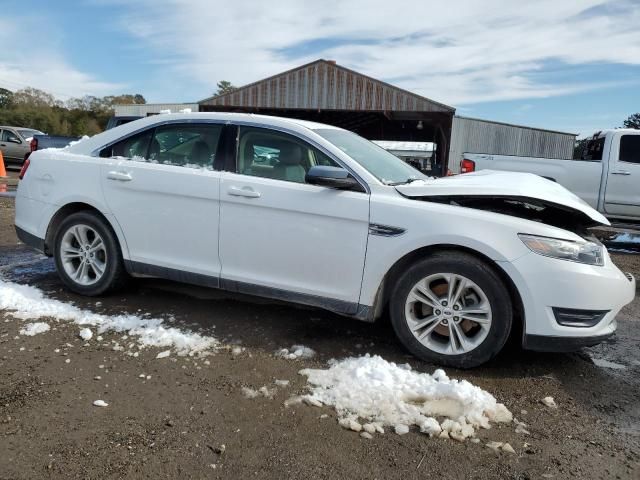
x: 452, y: 309
x: 87, y: 255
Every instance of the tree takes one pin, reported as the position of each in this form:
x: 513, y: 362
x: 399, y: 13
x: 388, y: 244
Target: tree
x: 37, y: 109
x: 6, y: 98
x: 32, y: 97
x: 633, y: 121
x: 578, y: 148
x: 225, y: 86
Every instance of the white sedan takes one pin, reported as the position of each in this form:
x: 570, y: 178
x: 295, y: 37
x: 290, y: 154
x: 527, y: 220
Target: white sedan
x: 317, y: 215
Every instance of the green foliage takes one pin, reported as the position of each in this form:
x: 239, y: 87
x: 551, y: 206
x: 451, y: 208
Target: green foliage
x: 224, y: 86
x: 578, y: 148
x: 6, y: 98
x: 33, y: 108
x: 633, y: 121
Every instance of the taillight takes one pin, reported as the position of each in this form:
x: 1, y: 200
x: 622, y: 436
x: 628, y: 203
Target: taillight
x: 23, y: 170
x: 34, y: 144
x: 467, y: 166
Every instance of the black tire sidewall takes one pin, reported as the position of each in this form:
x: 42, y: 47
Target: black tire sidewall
x: 476, y: 271
x: 114, y: 256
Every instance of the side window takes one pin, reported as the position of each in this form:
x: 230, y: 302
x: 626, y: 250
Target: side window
x: 134, y: 147
x: 8, y: 136
x: 186, y: 145
x: 270, y: 154
x: 630, y: 148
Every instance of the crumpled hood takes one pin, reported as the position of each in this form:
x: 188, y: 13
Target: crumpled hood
x: 489, y: 183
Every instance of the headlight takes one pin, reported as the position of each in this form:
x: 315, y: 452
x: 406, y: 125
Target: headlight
x: 582, y: 252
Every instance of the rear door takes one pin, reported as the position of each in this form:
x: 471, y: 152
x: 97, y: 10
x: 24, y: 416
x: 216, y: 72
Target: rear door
x: 161, y: 187
x: 622, y: 195
x: 284, y: 238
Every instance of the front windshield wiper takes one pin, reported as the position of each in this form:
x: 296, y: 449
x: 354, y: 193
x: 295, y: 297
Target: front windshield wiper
x: 408, y: 180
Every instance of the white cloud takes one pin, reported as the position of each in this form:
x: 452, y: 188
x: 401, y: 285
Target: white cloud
x: 31, y: 57
x: 461, y: 51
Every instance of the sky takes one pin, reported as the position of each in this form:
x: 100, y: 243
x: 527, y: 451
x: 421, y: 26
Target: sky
x: 568, y: 65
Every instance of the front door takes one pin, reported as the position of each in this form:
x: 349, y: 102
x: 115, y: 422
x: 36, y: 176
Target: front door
x: 163, y: 191
x: 281, y: 236
x: 622, y: 196
x: 12, y: 146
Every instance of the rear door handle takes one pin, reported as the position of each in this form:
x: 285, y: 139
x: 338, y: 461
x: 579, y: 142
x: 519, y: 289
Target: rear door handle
x: 620, y: 172
x: 120, y: 176
x: 247, y: 192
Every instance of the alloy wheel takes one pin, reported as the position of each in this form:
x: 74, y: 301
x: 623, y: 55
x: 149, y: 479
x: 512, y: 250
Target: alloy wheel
x: 448, y: 313
x: 83, y: 254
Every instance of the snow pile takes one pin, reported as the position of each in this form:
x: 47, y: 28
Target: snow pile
x: 295, y: 352
x: 75, y: 142
x: 383, y: 393
x: 25, y: 302
x: 32, y: 329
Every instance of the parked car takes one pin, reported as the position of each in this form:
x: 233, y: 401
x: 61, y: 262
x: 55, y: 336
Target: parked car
x: 14, y: 144
x: 331, y: 221
x: 606, y: 175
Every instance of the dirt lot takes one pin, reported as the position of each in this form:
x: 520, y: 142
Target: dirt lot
x: 174, y: 423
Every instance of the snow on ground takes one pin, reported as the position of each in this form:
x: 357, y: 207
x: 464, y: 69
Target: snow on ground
x: 262, y: 391
x: 378, y: 393
x: 31, y: 329
x: 295, y: 352
x: 85, y: 334
x: 30, y: 303
x: 601, y: 362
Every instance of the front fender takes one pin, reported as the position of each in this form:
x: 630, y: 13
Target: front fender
x: 426, y: 224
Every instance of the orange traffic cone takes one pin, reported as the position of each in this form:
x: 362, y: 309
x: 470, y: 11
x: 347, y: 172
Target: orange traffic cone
x: 3, y: 172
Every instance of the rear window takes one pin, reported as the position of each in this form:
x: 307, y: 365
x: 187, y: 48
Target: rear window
x: 593, y: 150
x: 630, y: 148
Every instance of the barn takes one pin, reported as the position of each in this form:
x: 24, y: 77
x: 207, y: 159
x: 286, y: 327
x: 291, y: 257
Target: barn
x: 422, y: 131
x: 325, y: 92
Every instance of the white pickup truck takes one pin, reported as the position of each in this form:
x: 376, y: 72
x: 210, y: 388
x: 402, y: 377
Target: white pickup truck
x: 607, y: 175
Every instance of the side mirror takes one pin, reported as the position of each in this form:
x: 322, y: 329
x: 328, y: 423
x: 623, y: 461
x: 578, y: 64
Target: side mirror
x: 14, y: 140
x: 332, y: 177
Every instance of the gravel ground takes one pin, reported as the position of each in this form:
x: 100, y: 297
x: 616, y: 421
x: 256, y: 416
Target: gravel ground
x: 174, y: 423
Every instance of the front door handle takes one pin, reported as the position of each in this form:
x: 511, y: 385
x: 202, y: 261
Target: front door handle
x: 247, y: 192
x: 620, y: 172
x: 120, y: 176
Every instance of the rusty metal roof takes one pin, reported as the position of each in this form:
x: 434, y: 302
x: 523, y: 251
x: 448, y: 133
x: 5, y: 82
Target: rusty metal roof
x: 323, y: 85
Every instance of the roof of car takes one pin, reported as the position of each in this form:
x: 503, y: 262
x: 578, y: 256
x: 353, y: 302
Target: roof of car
x: 90, y: 144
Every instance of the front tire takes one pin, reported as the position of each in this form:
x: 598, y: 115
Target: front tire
x: 451, y: 309
x: 87, y: 255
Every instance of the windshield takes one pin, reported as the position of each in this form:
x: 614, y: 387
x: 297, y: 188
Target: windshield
x: 386, y: 167
x: 28, y: 133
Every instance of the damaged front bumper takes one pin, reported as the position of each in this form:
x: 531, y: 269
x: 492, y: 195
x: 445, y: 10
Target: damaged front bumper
x: 550, y: 287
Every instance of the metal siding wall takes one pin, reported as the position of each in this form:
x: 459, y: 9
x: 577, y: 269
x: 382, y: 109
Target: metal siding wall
x: 479, y: 136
